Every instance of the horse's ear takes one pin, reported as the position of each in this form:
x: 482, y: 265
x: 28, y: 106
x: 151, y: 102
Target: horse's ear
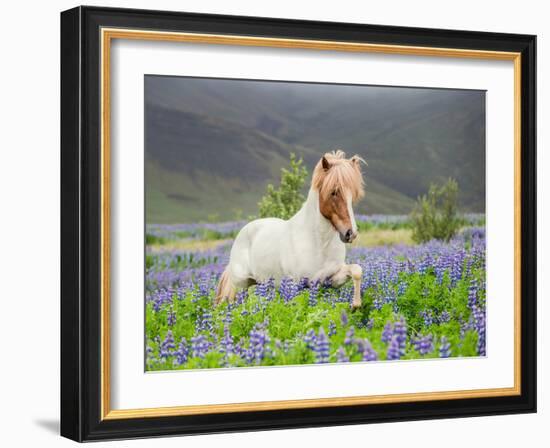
x: 356, y: 160
x: 324, y: 162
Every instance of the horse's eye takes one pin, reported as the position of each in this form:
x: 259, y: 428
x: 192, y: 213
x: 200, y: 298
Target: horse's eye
x: 335, y: 193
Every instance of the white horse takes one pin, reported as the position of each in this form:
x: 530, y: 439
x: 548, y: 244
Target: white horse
x: 311, y: 244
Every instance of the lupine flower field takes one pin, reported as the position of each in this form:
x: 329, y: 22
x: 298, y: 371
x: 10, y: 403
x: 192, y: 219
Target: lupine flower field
x: 419, y: 301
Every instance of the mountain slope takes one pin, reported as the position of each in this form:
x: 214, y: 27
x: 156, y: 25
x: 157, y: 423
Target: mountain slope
x: 213, y: 145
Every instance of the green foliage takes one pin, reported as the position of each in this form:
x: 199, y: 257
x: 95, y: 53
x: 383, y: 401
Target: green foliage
x: 213, y: 217
x: 153, y: 239
x: 214, y: 235
x: 435, y: 215
x: 365, y: 226
x: 238, y: 214
x: 285, y: 201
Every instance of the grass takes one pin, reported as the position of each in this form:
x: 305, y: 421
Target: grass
x: 370, y: 238
x: 187, y: 245
x: 367, y: 238
x: 384, y: 237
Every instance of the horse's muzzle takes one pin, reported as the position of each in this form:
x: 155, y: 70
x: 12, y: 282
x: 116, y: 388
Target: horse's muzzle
x: 348, y: 237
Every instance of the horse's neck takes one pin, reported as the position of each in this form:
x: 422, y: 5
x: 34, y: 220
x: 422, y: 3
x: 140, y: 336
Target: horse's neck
x: 312, y: 223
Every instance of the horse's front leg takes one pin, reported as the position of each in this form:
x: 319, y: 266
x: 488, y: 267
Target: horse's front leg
x: 355, y: 272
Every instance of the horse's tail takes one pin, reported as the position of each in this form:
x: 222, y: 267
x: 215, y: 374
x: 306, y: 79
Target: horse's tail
x: 226, y: 290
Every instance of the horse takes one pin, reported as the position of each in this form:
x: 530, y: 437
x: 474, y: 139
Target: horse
x: 311, y: 244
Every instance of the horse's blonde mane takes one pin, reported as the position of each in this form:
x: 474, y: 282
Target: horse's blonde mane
x: 343, y: 174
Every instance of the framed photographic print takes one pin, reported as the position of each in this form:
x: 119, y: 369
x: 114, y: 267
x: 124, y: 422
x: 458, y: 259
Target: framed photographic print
x: 275, y: 224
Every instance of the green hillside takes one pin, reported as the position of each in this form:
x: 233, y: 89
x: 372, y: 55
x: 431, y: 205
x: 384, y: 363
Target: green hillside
x: 213, y: 145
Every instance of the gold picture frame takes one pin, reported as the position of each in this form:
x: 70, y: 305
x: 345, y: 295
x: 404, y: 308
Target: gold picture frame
x: 106, y: 34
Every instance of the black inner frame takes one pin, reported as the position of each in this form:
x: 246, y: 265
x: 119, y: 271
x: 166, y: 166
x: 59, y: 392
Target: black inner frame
x: 81, y: 221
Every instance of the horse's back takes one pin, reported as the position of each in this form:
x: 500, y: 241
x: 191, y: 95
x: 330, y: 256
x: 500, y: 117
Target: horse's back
x: 256, y: 250
x: 261, y: 234
x: 258, y: 227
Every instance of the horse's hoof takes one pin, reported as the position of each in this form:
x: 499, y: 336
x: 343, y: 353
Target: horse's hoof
x: 355, y: 306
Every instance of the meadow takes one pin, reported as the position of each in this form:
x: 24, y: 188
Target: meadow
x: 419, y: 301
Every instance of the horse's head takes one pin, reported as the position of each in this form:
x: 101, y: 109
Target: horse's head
x: 339, y: 183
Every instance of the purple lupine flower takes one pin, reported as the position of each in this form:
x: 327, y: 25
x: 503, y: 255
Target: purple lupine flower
x: 226, y: 343
x: 261, y: 289
x: 368, y: 352
x: 400, y: 332
x: 171, y: 317
x: 444, y: 317
x: 444, y: 348
x: 182, y: 353
x: 393, y: 352
x: 161, y: 297
x: 149, y: 354
x: 200, y: 346
x: 481, y: 349
x: 341, y: 355
x: 241, y: 297
x: 271, y: 289
x: 350, y: 336
x: 321, y: 347
x: 344, y: 319
x: 238, y: 349
x: 331, y: 329
x: 401, y: 288
x: 472, y: 294
x: 167, y: 346
x: 361, y: 345
x: 288, y: 289
x: 266, y: 290
x: 346, y: 295
x: 424, y: 344
x: 204, y: 321
x: 369, y: 324
x: 303, y: 283
x: 310, y: 339
x: 314, y: 293
x: 256, y: 308
x: 194, y: 230
x: 442, y: 266
x: 427, y: 316
x: 228, y: 318
x: 387, y: 333
x: 248, y: 355
x: 333, y: 297
x: 204, y: 285
x: 457, y: 261
x: 480, y: 327
x: 425, y: 264
x: 258, y: 341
